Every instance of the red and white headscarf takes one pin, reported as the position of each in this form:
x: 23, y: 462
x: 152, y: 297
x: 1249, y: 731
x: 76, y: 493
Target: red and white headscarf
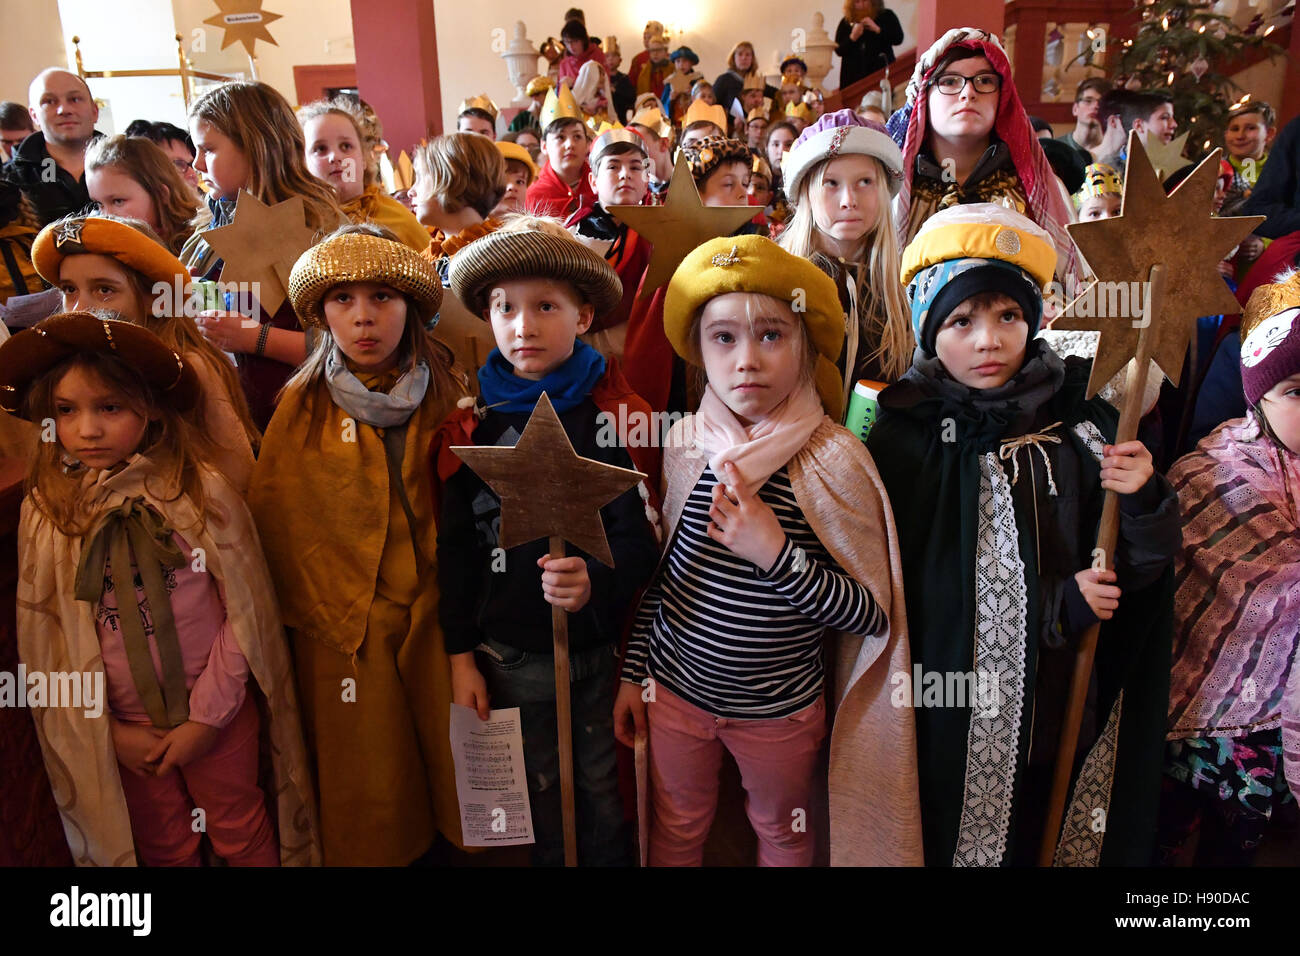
x: 1045, y: 203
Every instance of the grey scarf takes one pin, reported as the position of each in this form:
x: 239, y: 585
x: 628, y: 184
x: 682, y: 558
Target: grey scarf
x: 378, y: 409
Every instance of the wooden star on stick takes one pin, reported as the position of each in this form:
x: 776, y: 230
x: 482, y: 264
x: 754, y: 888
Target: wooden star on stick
x: 678, y: 226
x: 261, y: 245
x: 1167, y: 158
x: 546, y: 489
x: 244, y: 21
x: 1176, y: 231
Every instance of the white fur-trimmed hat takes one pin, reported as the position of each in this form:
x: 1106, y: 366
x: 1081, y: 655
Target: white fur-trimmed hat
x: 839, y: 134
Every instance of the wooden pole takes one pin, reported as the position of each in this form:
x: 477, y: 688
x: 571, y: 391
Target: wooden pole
x: 1107, y: 533
x: 563, y: 717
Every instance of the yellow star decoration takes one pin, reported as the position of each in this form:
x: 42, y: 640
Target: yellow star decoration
x: 1176, y: 231
x: 245, y: 21
x: 1167, y: 159
x: 261, y: 245
x: 546, y: 488
x: 678, y: 226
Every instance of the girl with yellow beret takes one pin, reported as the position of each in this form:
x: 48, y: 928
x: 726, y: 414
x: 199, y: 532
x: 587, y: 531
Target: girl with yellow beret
x: 780, y: 538
x: 103, y: 262
x: 343, y: 499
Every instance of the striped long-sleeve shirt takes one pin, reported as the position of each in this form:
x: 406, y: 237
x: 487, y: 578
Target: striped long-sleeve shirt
x: 733, y: 640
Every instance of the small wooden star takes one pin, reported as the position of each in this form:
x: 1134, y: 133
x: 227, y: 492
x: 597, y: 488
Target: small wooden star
x: 1167, y: 158
x: 1177, y: 231
x: 678, y: 226
x: 546, y: 488
x: 261, y: 245
x: 245, y: 21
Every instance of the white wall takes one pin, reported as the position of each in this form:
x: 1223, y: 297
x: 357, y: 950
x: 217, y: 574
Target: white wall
x: 30, y: 40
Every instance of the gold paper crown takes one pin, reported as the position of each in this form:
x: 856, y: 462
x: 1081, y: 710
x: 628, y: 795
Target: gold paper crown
x: 611, y: 46
x: 801, y: 110
x: 600, y: 125
x: 1269, y: 299
x: 480, y: 102
x: 559, y: 104
x: 653, y: 119
x: 700, y: 110
x: 759, y: 113
x: 1101, y: 180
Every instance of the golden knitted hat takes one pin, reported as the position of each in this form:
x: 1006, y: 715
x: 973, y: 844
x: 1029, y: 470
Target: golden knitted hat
x: 752, y: 264
x: 359, y: 257
x: 31, y: 353
x: 104, y: 237
x: 514, y: 254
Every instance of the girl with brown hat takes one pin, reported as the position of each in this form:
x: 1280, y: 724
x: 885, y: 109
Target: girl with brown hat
x: 137, y: 577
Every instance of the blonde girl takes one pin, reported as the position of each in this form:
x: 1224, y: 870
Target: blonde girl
x: 840, y: 175
x: 101, y: 262
x: 246, y: 138
x: 334, y: 131
x: 359, y: 589
x: 139, y: 567
x: 131, y: 177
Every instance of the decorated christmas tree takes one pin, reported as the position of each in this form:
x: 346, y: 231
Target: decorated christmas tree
x: 1183, y: 47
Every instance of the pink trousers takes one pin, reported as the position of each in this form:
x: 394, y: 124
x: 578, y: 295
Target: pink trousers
x: 777, y: 759
x: 223, y: 783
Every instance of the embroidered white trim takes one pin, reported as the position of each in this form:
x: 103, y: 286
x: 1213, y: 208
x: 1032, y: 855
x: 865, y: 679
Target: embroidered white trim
x: 1001, y: 612
x: 1091, y: 436
x: 1085, y: 819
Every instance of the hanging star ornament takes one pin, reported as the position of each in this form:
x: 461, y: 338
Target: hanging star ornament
x: 244, y: 21
x: 261, y: 245
x: 1177, y: 231
x: 678, y: 226
x: 546, y: 488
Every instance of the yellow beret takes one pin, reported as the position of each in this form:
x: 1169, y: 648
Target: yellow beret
x: 752, y: 264
x: 31, y: 353
x: 518, y: 154
x: 106, y: 237
x: 359, y: 257
x: 981, y: 231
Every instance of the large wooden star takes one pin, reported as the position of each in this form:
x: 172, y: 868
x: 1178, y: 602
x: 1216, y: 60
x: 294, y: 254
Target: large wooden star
x: 260, y: 246
x: 1177, y: 231
x: 245, y: 21
x: 546, y: 488
x: 678, y: 226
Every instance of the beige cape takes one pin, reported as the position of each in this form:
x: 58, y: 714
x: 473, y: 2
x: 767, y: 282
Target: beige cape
x: 56, y: 633
x: 875, y: 807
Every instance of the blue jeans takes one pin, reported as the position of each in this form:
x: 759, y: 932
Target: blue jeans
x: 526, y: 680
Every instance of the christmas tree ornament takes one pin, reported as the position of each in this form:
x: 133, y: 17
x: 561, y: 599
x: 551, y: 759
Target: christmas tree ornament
x: 1054, y: 51
x: 1198, y: 67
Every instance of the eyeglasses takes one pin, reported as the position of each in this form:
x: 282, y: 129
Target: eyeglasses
x: 950, y: 84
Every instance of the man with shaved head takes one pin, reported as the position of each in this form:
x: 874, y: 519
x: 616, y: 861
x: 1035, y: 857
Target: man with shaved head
x: 49, y: 165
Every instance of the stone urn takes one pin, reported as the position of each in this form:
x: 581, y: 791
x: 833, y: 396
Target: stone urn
x: 817, y: 49
x: 521, y: 62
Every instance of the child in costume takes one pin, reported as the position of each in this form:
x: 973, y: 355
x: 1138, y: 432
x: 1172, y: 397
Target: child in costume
x: 1101, y: 195
x: 683, y: 77
x: 985, y: 155
x: 996, y: 466
x: 779, y: 532
x: 1234, y: 706
x: 563, y: 187
x: 841, y: 174
x: 99, y: 262
x: 182, y: 659
x: 359, y: 590
x: 459, y: 179
x: 132, y: 177
x: 334, y: 133
x: 478, y: 114
x: 520, y: 173
x: 654, y: 72
x: 721, y: 169
x: 540, y: 289
x: 247, y: 138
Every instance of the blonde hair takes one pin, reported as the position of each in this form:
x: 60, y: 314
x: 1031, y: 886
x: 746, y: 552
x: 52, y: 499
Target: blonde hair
x: 341, y: 107
x: 417, y: 345
x: 466, y: 169
x: 172, y: 440
x: 753, y: 58
x: 260, y: 123
x: 150, y: 167
x: 883, y: 313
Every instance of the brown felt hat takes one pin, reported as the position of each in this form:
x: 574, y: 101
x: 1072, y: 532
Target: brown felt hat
x: 507, y: 254
x: 105, y: 237
x: 30, y: 354
x: 359, y: 257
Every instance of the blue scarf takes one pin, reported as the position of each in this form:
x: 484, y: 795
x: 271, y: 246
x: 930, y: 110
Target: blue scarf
x: 567, y: 386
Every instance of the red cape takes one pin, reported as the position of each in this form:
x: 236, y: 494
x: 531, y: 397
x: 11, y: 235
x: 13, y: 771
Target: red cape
x: 550, y: 196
